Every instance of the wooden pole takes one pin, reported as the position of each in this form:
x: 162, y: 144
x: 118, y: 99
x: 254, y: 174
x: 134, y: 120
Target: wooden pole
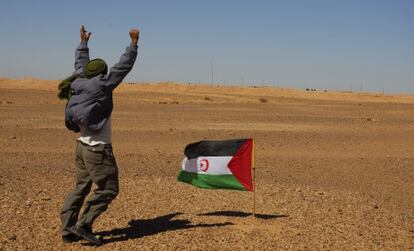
x: 254, y: 179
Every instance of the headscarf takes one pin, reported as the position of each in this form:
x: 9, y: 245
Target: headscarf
x: 64, y: 87
x: 92, y: 68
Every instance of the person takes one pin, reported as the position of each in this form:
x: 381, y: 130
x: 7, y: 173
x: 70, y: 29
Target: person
x: 89, y: 110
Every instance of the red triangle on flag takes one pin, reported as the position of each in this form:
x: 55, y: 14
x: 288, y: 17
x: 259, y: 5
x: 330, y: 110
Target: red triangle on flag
x: 241, y: 165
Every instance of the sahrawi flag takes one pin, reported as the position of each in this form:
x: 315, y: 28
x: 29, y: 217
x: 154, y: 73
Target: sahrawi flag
x: 219, y: 164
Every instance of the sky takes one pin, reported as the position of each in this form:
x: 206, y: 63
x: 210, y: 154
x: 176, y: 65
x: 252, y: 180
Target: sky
x: 345, y: 45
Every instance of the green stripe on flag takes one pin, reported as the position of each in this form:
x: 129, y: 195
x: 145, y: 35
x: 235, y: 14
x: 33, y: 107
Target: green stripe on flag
x: 227, y: 181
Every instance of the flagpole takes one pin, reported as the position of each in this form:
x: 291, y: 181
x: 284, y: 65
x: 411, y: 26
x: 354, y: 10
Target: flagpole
x: 254, y: 180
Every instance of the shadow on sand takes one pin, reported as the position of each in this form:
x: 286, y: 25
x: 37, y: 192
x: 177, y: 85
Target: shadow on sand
x: 141, y: 228
x: 243, y: 214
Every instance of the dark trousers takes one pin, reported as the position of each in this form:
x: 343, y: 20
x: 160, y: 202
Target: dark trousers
x: 94, y: 164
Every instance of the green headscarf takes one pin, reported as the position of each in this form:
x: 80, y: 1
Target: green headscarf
x: 64, y: 87
x: 92, y: 68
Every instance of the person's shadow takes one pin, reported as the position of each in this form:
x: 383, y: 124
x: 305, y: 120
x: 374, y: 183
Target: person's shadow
x: 243, y: 214
x: 141, y: 228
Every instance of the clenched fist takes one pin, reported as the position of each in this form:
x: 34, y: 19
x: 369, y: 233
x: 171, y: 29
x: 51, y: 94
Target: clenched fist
x: 134, y: 34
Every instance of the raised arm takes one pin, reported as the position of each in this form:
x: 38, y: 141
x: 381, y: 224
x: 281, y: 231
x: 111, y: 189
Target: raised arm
x: 119, y: 71
x: 82, y: 52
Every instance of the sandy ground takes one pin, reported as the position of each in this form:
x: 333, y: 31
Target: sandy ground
x: 335, y: 171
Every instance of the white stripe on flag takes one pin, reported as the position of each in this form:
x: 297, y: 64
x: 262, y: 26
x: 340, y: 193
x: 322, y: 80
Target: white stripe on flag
x: 207, y: 165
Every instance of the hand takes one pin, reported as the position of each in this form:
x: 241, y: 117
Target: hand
x: 84, y: 35
x: 134, y: 34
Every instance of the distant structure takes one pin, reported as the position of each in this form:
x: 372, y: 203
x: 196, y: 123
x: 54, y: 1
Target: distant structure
x: 212, y: 72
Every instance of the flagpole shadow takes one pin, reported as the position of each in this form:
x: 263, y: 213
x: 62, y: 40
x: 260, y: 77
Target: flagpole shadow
x: 244, y: 214
x: 147, y: 227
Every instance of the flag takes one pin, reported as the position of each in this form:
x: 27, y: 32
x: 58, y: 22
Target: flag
x: 219, y: 164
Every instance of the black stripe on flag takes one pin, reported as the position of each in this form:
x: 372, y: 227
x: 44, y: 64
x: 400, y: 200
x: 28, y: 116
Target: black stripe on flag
x: 213, y: 148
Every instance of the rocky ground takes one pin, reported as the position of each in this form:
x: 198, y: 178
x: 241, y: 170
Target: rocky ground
x: 335, y: 171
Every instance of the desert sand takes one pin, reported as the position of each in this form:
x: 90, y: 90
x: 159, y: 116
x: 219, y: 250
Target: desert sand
x: 334, y: 171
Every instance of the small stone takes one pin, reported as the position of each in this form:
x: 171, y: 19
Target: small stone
x: 11, y: 237
x: 28, y: 203
x: 376, y: 206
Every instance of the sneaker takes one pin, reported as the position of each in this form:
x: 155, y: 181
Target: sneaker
x: 85, y: 234
x: 69, y: 238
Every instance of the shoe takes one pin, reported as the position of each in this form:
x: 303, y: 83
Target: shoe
x: 69, y: 238
x: 86, y: 235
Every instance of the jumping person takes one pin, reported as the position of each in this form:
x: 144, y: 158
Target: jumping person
x: 89, y: 109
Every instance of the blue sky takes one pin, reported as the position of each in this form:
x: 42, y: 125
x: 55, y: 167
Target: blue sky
x: 339, y: 45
